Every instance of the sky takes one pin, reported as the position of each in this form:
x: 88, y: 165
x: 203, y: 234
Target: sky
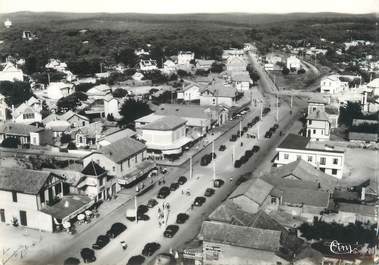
x: 192, y: 6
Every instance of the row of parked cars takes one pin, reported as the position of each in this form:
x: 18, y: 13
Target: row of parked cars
x: 207, y: 159
x: 166, y: 190
x: 248, y: 154
x: 271, y: 131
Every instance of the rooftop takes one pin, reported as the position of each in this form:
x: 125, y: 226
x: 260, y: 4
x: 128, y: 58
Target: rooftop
x: 256, y: 190
x: 23, y: 180
x: 234, y: 235
x: 166, y: 123
x: 316, y: 198
x: 190, y: 111
x: 318, y: 115
x: 18, y: 128
x: 93, y: 169
x: 294, y: 141
x: 365, y: 210
x: 218, y: 89
x: 69, y: 114
x: 122, y: 149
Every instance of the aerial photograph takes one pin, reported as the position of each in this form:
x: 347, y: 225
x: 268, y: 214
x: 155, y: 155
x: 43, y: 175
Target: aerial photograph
x: 203, y: 132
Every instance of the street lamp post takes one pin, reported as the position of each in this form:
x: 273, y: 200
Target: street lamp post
x: 240, y: 129
x: 135, y: 205
x: 214, y: 160
x: 261, y: 110
x: 277, y: 108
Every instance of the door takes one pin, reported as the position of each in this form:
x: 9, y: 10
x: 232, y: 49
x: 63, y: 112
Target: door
x: 2, y: 215
x: 23, y: 219
x: 51, y: 199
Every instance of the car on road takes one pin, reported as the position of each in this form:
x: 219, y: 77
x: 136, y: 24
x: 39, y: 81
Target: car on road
x: 218, y: 183
x: 199, y: 201
x: 209, y: 192
x: 150, y: 248
x: 222, y: 148
x: 115, y: 230
x: 174, y: 186
x: 266, y: 110
x: 181, y: 218
x: 233, y: 138
x: 244, y: 159
x: 182, y: 180
x: 245, y: 129
x: 136, y: 260
x: 255, y: 148
x: 206, y: 159
x: 163, y: 192
x: 151, y: 203
x: 88, y: 255
x: 101, y: 242
x: 170, y: 231
x: 276, y: 126
x: 268, y: 134
x: 249, y: 153
x: 213, y: 155
x: 237, y: 163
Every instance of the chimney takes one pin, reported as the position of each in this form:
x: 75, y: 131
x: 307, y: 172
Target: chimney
x: 363, y: 194
x: 66, y: 204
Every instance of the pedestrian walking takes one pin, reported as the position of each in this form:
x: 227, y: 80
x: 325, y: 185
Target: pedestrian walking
x: 192, y: 206
x: 182, y: 192
x: 231, y: 179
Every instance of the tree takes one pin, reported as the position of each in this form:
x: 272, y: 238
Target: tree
x: 71, y: 102
x: 133, y: 109
x: 10, y: 142
x: 349, y: 112
x: 127, y: 57
x: 165, y: 97
x: 15, y: 92
x: 83, y: 87
x: 65, y: 138
x: 217, y: 67
x: 157, y: 54
x: 285, y: 71
x: 301, y: 71
x: 119, y: 93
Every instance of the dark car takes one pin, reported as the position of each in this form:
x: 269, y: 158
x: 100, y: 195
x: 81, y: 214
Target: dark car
x: 249, y: 153
x: 101, y: 242
x: 150, y: 249
x: 209, y: 192
x: 163, y: 192
x: 218, y: 183
x: 237, y: 163
x: 233, y: 138
x: 182, y: 180
x: 255, y: 148
x: 276, y: 126
x: 116, y: 229
x: 268, y: 134
x: 170, y: 231
x: 199, y: 201
x: 88, y: 255
x: 174, y: 186
x: 206, y: 159
x: 136, y: 260
x: 181, y: 218
x: 151, y: 203
x: 245, y: 129
x: 222, y: 148
x: 213, y: 155
x: 266, y: 110
x: 244, y: 159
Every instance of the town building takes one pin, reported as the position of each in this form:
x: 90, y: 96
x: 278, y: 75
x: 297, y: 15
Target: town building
x: 123, y: 159
x: 3, y: 108
x: 25, y: 134
x: 185, y: 57
x: 165, y: 136
x: 169, y: 67
x: 99, y: 92
x: 235, y: 63
x: 112, y: 135
x: 326, y: 158
x: 56, y: 64
x: 137, y: 76
x: 148, y: 65
x: 293, y: 63
x: 232, y: 53
x: 318, y: 126
x: 57, y: 90
x: 111, y: 107
x: 189, y: 92
x: 58, y: 127
x: 373, y: 85
x: 241, y: 80
x: 7, y: 23
x: 86, y: 136
x: 218, y: 94
x: 332, y: 84
x: 10, y: 72
x: 204, y: 65
x: 26, y: 114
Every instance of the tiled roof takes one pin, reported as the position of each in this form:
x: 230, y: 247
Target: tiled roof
x: 118, y: 135
x: 18, y: 128
x: 122, y: 149
x: 359, y: 136
x: 93, y: 169
x: 22, y: 180
x: 294, y: 141
x: 256, y: 190
x: 234, y: 235
x: 307, y: 197
x: 317, y: 115
x: 241, y: 76
x: 91, y: 130
x: 219, y: 90
x: 69, y: 114
x: 191, y: 111
x: 365, y: 210
x: 165, y: 124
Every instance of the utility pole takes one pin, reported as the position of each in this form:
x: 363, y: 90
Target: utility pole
x: 190, y: 174
x: 240, y: 129
x: 277, y: 108
x: 261, y: 110
x: 259, y: 124
x: 291, y: 102
x: 135, y: 205
x: 233, y: 153
x: 214, y: 160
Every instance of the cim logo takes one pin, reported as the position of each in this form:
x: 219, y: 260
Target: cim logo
x: 342, y: 249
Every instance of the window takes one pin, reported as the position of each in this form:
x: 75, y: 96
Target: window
x: 23, y: 219
x: 14, y: 196
x: 27, y: 116
x: 314, y: 109
x: 101, y: 181
x: 335, y: 161
x: 334, y: 171
x: 2, y: 215
x: 286, y: 156
x: 114, y: 169
x: 310, y: 122
x: 214, y: 101
x: 314, y: 131
x: 310, y: 158
x: 80, y: 139
x: 121, y: 167
x: 322, y: 161
x: 273, y: 200
x: 322, y: 169
x: 42, y: 196
x: 58, y: 189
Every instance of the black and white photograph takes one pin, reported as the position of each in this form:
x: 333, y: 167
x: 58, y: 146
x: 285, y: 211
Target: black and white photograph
x: 202, y: 132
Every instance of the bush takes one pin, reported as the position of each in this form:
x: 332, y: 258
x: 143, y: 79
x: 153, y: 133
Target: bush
x: 285, y: 71
x: 10, y: 143
x: 119, y: 93
x: 301, y: 71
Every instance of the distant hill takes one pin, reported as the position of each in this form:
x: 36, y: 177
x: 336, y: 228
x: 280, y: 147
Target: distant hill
x: 234, y: 19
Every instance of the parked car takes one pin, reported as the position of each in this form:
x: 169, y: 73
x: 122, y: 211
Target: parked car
x: 237, y: 163
x: 151, y: 203
x: 255, y: 148
x: 163, y: 192
x: 209, y: 192
x: 136, y: 260
x: 181, y: 218
x: 115, y: 230
x: 199, y: 201
x: 165, y: 259
x: 206, y: 159
x: 174, y: 186
x: 268, y: 134
x: 244, y: 159
x: 101, y: 242
x: 222, y: 148
x: 213, y: 155
x: 170, y: 231
x: 276, y: 126
x: 218, y: 183
x: 245, y: 129
x: 88, y: 255
x: 266, y: 110
x: 182, y: 180
x: 150, y: 248
x: 233, y: 138
x: 249, y: 153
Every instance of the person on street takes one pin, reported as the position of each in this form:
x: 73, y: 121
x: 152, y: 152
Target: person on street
x: 231, y: 179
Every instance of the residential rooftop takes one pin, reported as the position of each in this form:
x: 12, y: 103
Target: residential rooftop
x: 256, y: 190
x: 166, y: 123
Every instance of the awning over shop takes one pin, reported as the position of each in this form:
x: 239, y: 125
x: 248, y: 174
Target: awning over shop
x: 68, y: 207
x: 140, y: 170
x: 176, y: 146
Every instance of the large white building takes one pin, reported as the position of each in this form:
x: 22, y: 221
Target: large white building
x: 189, y: 92
x: 11, y: 73
x: 326, y: 158
x: 293, y: 63
x: 185, y: 57
x: 218, y: 94
x: 3, y: 108
x: 57, y: 90
x: 332, y: 85
x: 235, y: 63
